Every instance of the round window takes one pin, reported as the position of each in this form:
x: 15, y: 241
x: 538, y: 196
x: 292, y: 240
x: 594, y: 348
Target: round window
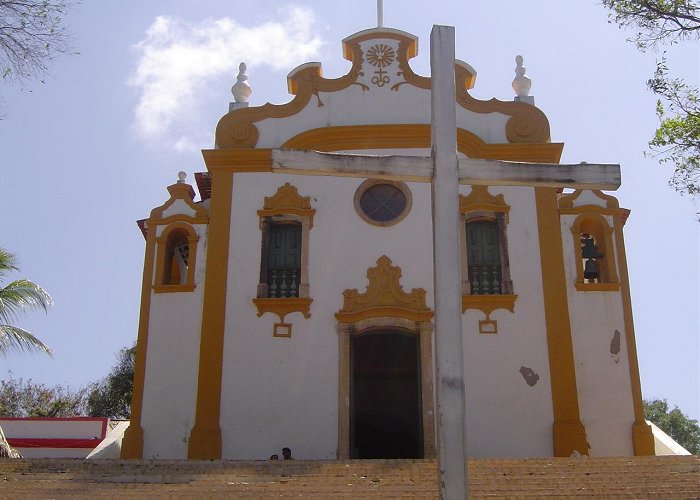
x: 382, y: 203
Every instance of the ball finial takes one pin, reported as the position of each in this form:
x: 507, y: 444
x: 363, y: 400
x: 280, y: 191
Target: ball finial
x: 181, y: 176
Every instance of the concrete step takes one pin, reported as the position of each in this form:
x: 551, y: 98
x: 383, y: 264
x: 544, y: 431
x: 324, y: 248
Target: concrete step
x: 617, y: 477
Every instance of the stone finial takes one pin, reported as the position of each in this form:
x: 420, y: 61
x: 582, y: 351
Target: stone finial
x: 521, y: 82
x: 241, y: 90
x: 181, y: 176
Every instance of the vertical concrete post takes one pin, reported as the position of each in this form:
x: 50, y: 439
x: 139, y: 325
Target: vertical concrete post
x: 451, y: 439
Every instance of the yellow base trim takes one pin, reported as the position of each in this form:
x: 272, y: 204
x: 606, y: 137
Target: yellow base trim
x: 173, y: 288
x: 643, y: 440
x: 569, y: 437
x: 598, y: 287
x: 205, y: 443
x: 283, y: 306
x: 132, y: 443
x: 488, y: 303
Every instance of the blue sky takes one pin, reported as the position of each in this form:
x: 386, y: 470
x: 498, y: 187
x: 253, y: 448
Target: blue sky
x: 92, y: 150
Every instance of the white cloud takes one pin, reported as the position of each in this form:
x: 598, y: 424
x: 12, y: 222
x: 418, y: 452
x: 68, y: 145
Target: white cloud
x: 177, y: 61
x: 187, y: 144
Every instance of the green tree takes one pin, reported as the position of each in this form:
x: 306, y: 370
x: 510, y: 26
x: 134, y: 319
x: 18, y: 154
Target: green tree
x: 32, y: 33
x: 17, y: 298
x: 20, y: 398
x: 677, y: 140
x: 682, y: 429
x: 111, y: 397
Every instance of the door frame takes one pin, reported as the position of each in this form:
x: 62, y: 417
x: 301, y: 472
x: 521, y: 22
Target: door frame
x: 424, y: 330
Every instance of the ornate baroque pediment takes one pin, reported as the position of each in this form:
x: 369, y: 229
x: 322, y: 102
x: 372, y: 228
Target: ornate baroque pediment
x: 380, y: 65
x: 384, y: 297
x: 481, y: 199
x: 287, y: 201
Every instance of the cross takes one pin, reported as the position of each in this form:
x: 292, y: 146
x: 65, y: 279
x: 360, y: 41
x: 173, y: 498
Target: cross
x: 445, y: 171
x: 380, y: 13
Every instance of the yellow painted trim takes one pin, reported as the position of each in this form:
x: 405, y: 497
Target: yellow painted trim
x: 177, y: 218
x: 289, y: 211
x: 384, y: 294
x: 592, y: 209
x: 161, y: 256
x: 132, y: 443
x: 183, y: 192
x: 488, y: 327
x: 597, y: 287
x: 283, y: 306
x: 642, y: 437
x: 567, y: 201
x: 173, y: 288
x: 479, y: 198
x: 569, y: 434
x: 282, y: 330
x: 403, y: 136
x: 287, y: 201
x: 489, y: 303
x: 205, y: 437
x: 238, y: 160
x: 383, y: 312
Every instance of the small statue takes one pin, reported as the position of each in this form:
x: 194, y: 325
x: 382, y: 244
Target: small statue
x: 521, y: 82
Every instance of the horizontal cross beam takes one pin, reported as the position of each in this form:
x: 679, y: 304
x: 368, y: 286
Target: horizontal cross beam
x: 603, y: 176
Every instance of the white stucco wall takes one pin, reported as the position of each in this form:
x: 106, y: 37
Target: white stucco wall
x: 602, y: 378
x: 505, y: 416
x: 284, y: 392
x: 170, y: 385
x: 299, y: 403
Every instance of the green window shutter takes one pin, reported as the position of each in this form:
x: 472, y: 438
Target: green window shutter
x: 284, y: 260
x: 483, y: 257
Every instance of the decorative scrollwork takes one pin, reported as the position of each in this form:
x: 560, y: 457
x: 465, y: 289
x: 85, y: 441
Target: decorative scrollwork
x: 381, y: 56
x: 241, y: 135
x: 526, y: 128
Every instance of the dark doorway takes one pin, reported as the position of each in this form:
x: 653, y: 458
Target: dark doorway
x: 385, y: 396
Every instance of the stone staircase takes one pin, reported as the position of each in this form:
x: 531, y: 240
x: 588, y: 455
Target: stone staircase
x: 619, y: 477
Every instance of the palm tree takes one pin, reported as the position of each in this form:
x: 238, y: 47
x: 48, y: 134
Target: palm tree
x: 16, y: 298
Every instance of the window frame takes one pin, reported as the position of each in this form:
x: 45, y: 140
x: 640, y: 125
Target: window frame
x: 480, y: 205
x: 164, y: 259
x: 370, y: 183
x: 598, y: 226
x: 286, y: 205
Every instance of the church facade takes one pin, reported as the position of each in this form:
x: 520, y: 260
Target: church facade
x: 292, y: 304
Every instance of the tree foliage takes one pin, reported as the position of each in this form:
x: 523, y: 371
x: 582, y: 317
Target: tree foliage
x: 17, y: 298
x: 111, y: 397
x: 32, y: 33
x: 20, y: 398
x: 657, y: 21
x: 676, y: 141
x: 682, y: 429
